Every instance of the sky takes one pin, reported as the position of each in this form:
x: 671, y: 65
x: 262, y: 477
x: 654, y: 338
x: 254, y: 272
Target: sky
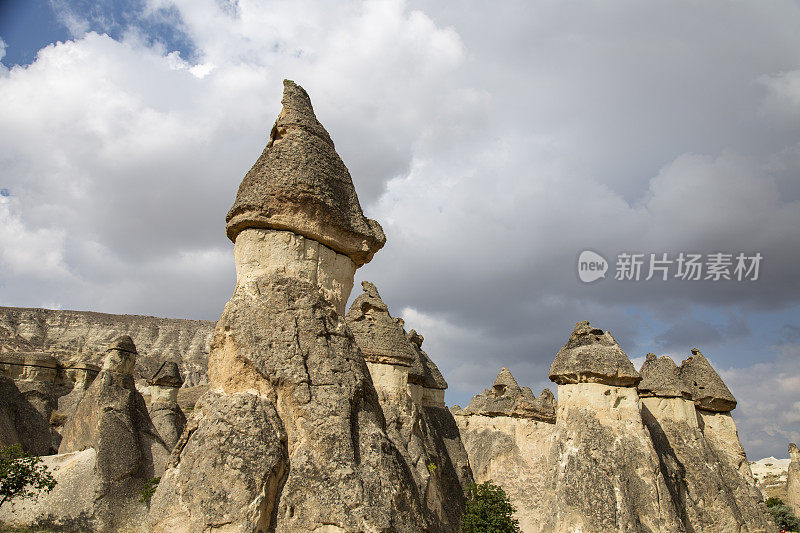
x: 494, y: 142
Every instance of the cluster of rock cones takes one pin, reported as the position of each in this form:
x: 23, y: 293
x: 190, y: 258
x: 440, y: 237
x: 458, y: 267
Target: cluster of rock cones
x: 321, y: 421
x: 621, y: 450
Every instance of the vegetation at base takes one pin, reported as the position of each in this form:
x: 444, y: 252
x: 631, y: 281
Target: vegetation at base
x: 783, y: 515
x: 149, y: 489
x: 22, y: 475
x: 488, y: 510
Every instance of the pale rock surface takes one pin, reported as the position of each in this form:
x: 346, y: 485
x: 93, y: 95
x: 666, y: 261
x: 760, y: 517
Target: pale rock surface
x: 84, y: 336
x: 511, y: 446
x: 411, y: 393
x: 771, y: 476
x: 793, y: 479
x: 21, y: 423
x: 606, y: 470
x: 708, y: 494
x: 165, y: 412
x: 70, y: 505
x: 290, y: 436
x: 112, y: 419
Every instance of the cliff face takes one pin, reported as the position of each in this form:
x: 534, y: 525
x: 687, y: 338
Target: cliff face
x: 84, y: 335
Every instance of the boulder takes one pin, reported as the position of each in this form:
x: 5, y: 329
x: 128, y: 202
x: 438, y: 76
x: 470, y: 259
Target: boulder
x: 592, y: 356
x: 112, y: 419
x: 708, y: 390
x: 300, y: 184
x: 290, y: 435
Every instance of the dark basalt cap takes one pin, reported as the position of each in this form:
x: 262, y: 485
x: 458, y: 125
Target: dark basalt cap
x: 593, y: 356
x: 168, y: 375
x: 122, y: 343
x: 506, y: 398
x: 300, y: 184
x: 661, y: 377
x: 708, y: 390
x: 380, y: 337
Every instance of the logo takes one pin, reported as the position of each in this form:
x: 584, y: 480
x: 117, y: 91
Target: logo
x: 591, y: 266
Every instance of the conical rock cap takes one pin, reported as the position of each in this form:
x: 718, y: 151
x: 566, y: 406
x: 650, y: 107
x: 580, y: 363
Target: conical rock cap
x: 122, y: 343
x: 168, y: 375
x: 423, y: 370
x: 380, y: 337
x: 709, y: 392
x: 661, y: 377
x: 593, y: 356
x: 300, y: 184
x: 506, y: 398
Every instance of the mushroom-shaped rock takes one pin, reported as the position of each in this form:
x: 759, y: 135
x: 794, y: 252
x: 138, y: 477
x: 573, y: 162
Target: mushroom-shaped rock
x: 661, y: 378
x: 120, y: 355
x: 300, y: 184
x: 708, y: 390
x: 112, y: 418
x: 168, y: 375
x: 593, y: 356
x: 379, y: 336
x: 167, y: 416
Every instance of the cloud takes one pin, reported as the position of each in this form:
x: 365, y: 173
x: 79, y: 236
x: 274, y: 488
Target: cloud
x: 493, y: 142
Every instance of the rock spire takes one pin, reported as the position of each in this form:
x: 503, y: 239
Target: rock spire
x: 300, y: 184
x: 708, y: 390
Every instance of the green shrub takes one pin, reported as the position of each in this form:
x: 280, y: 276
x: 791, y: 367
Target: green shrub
x: 22, y: 475
x: 488, y: 510
x: 784, y: 517
x: 773, y: 501
x: 149, y: 489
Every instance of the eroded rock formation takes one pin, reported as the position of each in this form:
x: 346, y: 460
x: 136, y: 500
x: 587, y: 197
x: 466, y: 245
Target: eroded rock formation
x: 167, y: 416
x: 606, y: 471
x: 411, y: 392
x: 708, y: 493
x: 508, y: 433
x: 112, y: 419
x: 83, y: 336
x: 793, y: 479
x: 291, y: 435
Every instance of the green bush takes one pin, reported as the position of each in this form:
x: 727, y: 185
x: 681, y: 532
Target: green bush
x: 773, y: 501
x: 488, y: 510
x: 22, y: 475
x: 784, y: 516
x: 149, y: 489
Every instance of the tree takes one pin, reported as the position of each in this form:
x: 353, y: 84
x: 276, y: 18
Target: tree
x: 22, y: 475
x: 488, y: 510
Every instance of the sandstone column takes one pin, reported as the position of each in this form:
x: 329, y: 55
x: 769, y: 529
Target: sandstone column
x: 166, y: 414
x: 793, y: 480
x: 290, y: 436
x: 112, y: 418
x: 411, y: 391
x: 708, y: 494
x: 606, y: 471
x: 508, y: 434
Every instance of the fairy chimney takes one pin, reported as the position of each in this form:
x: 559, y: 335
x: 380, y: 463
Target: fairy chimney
x: 290, y: 433
x: 167, y: 416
